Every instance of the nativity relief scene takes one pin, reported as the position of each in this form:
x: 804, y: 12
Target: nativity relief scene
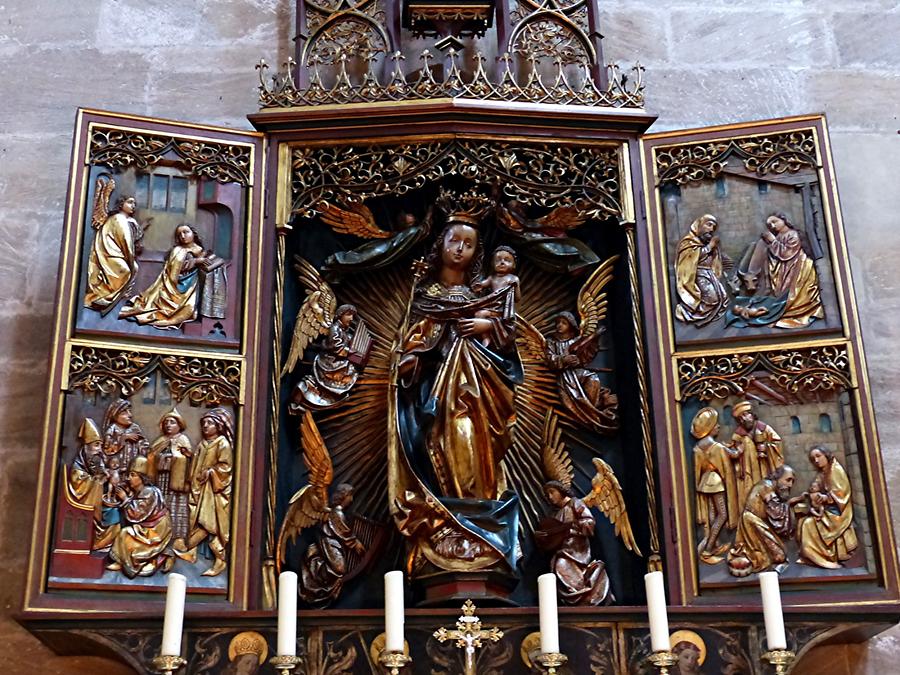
x: 451, y: 332
x: 748, y: 253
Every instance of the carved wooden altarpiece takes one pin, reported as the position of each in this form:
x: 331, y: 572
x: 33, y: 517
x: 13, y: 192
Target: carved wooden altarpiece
x: 449, y: 281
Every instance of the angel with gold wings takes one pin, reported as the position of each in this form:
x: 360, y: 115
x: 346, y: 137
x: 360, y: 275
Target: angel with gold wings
x: 568, y: 531
x: 112, y: 265
x: 326, y: 563
x: 572, y: 348
x: 343, y: 354
x: 383, y: 247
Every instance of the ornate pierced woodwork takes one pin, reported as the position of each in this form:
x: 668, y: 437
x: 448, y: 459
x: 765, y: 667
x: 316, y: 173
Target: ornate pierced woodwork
x: 773, y: 154
x: 541, y: 175
x: 218, y: 161
x: 825, y: 368
x: 201, y: 380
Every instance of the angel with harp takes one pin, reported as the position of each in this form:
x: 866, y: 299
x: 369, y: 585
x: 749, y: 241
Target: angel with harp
x: 567, y: 532
x: 329, y: 560
x: 344, y: 354
x: 570, y: 351
x: 112, y: 265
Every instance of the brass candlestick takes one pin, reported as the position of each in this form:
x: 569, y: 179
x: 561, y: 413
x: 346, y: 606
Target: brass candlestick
x: 167, y: 664
x: 285, y: 664
x: 468, y: 635
x: 394, y: 662
x: 782, y: 659
x: 662, y: 661
x: 551, y: 661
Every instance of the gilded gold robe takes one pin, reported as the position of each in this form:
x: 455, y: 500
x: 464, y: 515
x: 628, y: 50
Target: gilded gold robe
x: 714, y: 473
x: 112, y: 263
x: 766, y: 521
x: 702, y: 297
x: 145, y: 533
x: 169, y: 459
x: 828, y: 539
x: 171, y: 300
x: 211, y: 474
x: 761, y: 453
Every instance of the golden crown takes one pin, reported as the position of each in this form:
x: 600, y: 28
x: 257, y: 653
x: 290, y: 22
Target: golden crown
x: 470, y: 207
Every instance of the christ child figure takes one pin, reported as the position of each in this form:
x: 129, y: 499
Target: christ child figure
x: 503, y: 268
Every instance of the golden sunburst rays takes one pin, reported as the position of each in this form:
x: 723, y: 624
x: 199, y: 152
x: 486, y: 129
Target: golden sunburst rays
x: 356, y: 432
x: 543, y: 296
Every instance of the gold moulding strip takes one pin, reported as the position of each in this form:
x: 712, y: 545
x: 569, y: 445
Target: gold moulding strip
x: 281, y: 91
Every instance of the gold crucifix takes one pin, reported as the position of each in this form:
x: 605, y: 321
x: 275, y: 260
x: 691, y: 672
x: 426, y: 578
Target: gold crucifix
x: 468, y: 635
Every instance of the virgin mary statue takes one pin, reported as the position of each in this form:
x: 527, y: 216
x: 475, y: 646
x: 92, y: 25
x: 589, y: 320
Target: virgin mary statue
x: 451, y: 413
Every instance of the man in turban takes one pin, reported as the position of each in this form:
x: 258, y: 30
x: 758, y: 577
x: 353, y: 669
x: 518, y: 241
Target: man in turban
x: 758, y: 445
x: 210, y: 501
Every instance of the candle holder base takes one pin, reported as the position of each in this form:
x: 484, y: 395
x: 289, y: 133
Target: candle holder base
x: 167, y: 664
x: 285, y: 664
x: 781, y: 659
x: 662, y: 661
x: 394, y: 662
x: 550, y: 662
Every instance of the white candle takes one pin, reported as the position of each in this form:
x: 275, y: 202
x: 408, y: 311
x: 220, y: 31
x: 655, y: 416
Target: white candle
x: 287, y: 614
x: 393, y: 612
x: 656, y: 609
x: 171, y: 638
x: 771, y: 599
x: 549, y: 618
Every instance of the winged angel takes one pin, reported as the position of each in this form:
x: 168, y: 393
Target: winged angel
x: 568, y: 531
x: 456, y: 389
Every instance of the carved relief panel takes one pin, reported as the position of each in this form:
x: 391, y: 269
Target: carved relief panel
x: 774, y: 459
x: 146, y: 454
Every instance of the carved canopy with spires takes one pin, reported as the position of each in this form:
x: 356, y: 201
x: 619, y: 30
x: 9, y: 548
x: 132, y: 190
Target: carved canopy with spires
x: 535, y: 51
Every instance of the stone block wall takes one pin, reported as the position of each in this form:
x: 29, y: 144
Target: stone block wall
x: 714, y: 62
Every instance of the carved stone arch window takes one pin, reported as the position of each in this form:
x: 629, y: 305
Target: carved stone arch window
x: 796, y: 427
x: 825, y: 425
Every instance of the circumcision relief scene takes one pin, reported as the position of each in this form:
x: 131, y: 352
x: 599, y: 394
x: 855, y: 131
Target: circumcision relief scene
x: 748, y: 254
x: 452, y: 396
x: 776, y: 478
x: 162, y: 254
x: 144, y: 488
